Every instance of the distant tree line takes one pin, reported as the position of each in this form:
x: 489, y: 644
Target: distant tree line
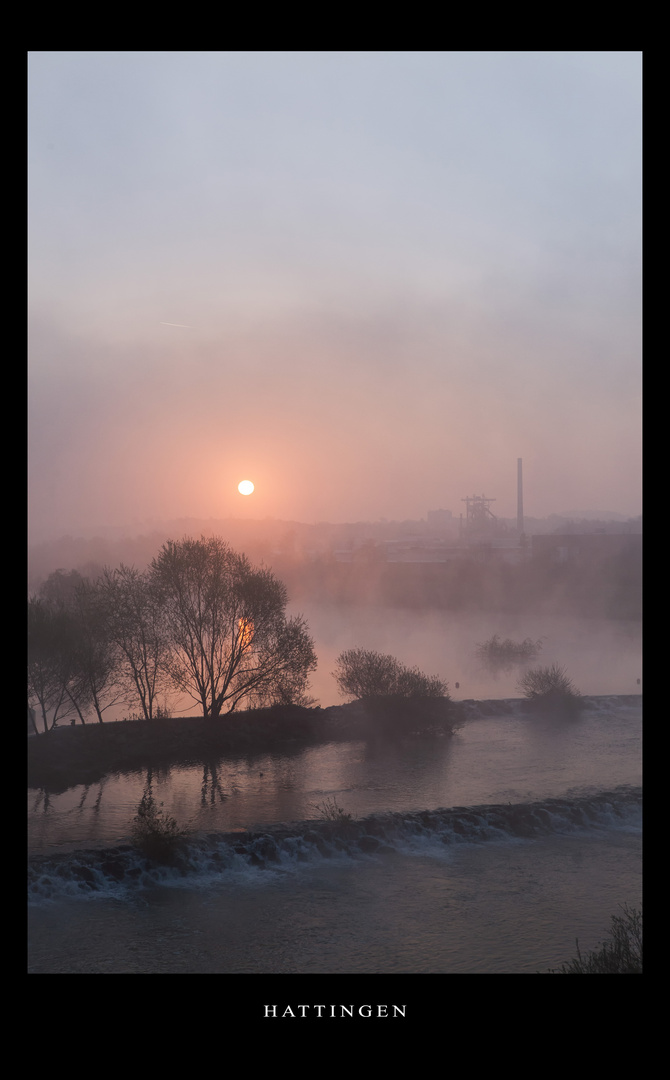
x: 610, y: 587
x: 603, y: 584
x: 201, y: 620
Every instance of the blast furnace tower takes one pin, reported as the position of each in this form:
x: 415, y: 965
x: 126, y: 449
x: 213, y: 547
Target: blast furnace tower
x: 480, y: 521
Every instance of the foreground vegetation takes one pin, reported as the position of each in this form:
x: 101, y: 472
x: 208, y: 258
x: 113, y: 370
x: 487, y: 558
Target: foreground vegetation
x: 201, y: 621
x: 620, y: 954
x: 330, y: 810
x: 155, y: 833
x: 364, y: 674
x: 550, y: 690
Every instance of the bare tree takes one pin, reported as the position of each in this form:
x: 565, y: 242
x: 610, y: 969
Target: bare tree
x: 89, y: 664
x: 50, y: 668
x: 137, y: 628
x: 229, y: 636
x: 95, y: 658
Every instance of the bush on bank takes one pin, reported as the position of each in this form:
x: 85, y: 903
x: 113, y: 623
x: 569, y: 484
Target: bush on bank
x: 619, y: 954
x: 155, y: 833
x: 364, y: 674
x: 550, y: 690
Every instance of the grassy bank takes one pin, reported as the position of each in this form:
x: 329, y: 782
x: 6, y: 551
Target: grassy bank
x: 84, y: 754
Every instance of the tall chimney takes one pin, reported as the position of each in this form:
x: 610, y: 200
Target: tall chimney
x: 519, y: 497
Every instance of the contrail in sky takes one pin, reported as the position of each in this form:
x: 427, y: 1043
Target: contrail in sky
x: 187, y: 326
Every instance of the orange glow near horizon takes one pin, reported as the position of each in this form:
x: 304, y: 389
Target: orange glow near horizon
x: 245, y: 633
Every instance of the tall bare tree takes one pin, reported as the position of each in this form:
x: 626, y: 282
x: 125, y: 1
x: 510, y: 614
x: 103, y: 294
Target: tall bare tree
x: 88, y: 662
x: 96, y: 660
x: 136, y: 625
x: 229, y: 636
x: 51, y: 686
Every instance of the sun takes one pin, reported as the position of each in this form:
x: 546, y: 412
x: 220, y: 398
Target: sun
x: 245, y: 487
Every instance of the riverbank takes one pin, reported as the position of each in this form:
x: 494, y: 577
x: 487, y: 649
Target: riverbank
x: 86, y: 753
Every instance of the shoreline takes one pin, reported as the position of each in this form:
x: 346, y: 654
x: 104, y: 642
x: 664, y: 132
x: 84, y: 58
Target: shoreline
x: 86, y: 753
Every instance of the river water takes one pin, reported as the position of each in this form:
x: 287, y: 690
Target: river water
x: 485, y: 852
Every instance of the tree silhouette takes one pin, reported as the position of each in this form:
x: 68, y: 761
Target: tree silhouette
x: 229, y: 637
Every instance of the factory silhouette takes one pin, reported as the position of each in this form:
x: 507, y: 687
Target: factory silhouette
x: 473, y: 561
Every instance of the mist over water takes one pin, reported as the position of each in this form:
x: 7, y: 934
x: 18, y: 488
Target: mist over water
x: 509, y: 758
x: 366, y: 282
x: 542, y: 844
x: 487, y: 851
x: 602, y: 656
x: 371, y: 284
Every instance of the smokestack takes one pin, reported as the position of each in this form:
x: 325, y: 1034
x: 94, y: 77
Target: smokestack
x: 519, y: 497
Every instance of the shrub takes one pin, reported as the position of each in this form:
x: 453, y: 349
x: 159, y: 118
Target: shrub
x: 620, y: 955
x: 499, y: 652
x: 362, y: 673
x: 155, y: 833
x: 329, y: 810
x: 551, y: 689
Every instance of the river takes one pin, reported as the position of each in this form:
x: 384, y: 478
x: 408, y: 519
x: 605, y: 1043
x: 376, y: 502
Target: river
x: 485, y: 852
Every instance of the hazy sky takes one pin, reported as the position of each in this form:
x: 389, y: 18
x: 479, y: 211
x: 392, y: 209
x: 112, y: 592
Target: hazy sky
x: 368, y: 282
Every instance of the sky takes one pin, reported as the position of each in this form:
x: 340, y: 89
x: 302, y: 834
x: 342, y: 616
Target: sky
x: 367, y: 281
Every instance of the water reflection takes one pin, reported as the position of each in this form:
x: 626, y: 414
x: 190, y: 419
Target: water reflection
x: 211, y: 788
x: 497, y: 758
